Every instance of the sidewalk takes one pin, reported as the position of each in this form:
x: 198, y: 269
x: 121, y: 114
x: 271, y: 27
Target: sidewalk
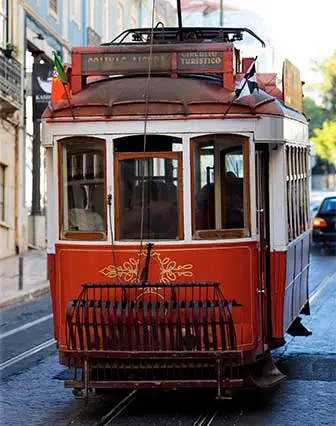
x: 34, y: 278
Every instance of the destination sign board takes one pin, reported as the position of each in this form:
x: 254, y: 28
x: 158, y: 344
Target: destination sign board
x: 206, y: 60
x: 123, y: 62
x: 160, y: 62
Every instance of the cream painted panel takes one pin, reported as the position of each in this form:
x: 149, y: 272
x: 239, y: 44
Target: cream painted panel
x: 295, y: 131
x: 277, y: 197
x: 117, y: 128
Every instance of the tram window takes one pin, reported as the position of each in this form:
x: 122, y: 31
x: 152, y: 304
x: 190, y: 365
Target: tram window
x: 297, y: 190
x: 83, y: 198
x: 220, y: 192
x: 148, y: 203
x: 205, y: 186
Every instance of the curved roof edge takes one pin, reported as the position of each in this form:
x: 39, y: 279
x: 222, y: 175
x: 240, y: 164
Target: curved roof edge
x: 185, y: 96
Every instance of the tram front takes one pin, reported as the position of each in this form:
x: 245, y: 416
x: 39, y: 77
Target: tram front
x: 154, y: 253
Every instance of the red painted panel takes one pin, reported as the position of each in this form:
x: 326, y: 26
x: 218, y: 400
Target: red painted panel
x: 234, y: 266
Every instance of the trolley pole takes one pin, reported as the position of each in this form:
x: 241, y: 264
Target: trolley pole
x: 221, y: 7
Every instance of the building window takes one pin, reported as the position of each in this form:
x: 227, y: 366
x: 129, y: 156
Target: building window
x: 3, y: 23
x: 2, y: 192
x: 75, y: 11
x: 297, y: 191
x: 53, y: 6
x: 120, y: 17
x: 83, y: 200
x: 220, y: 187
x: 92, y: 14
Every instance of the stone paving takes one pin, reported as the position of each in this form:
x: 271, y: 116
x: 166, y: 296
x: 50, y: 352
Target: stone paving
x: 34, y: 277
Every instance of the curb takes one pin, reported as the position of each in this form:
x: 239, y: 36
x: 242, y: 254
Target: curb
x: 26, y: 297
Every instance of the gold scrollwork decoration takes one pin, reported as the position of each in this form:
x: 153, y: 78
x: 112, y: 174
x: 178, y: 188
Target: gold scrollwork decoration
x: 169, y: 269
x: 127, y: 271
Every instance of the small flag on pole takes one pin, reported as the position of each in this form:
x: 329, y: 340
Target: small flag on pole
x: 59, y: 89
x: 248, y: 85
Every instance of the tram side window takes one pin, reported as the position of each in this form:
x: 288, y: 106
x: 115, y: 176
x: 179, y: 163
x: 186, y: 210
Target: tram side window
x: 220, y: 193
x: 83, y: 188
x: 297, y: 190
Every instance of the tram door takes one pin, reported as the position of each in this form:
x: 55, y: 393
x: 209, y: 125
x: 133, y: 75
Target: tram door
x: 262, y: 211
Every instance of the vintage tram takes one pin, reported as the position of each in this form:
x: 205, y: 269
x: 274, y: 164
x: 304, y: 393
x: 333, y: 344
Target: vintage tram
x: 178, y: 227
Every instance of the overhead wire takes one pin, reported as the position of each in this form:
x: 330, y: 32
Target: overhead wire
x: 147, y: 90
x: 114, y: 257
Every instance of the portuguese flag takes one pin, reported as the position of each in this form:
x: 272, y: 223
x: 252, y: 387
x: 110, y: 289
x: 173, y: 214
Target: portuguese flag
x: 59, y: 87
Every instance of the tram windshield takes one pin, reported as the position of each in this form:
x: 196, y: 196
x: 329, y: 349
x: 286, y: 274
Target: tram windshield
x: 148, y: 188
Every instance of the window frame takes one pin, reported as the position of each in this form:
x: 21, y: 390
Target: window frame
x: 75, y: 12
x: 92, y: 14
x: 221, y: 233
x: 106, y: 32
x: 79, y: 235
x: 52, y: 12
x: 175, y: 155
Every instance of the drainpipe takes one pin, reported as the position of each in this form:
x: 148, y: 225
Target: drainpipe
x: 7, y: 26
x: 17, y: 187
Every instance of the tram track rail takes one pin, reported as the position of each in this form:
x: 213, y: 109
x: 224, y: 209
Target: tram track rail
x: 110, y: 416
x: 118, y: 409
x: 207, y: 418
x: 26, y: 354
x: 26, y: 326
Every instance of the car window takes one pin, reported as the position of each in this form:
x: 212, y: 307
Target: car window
x: 328, y: 206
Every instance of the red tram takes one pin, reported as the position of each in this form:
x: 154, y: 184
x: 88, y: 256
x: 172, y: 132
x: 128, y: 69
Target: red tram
x: 178, y: 227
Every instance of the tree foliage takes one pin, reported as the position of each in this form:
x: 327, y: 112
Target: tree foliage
x: 328, y: 87
x: 314, y: 113
x: 325, y: 140
x: 324, y: 134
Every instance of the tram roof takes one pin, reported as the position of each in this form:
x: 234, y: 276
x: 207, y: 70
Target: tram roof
x: 187, y: 95
x: 176, y: 71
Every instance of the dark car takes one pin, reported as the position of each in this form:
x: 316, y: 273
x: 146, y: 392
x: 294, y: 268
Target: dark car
x: 324, y: 223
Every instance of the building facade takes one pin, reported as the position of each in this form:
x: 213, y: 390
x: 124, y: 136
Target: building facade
x: 30, y: 30
x: 13, y: 227
x: 217, y: 13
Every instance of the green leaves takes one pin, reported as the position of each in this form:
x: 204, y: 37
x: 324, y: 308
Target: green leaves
x: 322, y: 126
x: 325, y: 141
